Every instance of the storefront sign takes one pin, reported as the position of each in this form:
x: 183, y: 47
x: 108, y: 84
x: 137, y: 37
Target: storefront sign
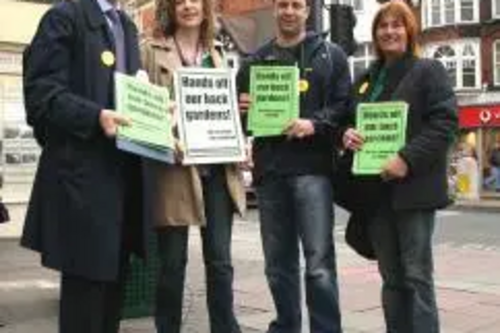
x: 479, y: 116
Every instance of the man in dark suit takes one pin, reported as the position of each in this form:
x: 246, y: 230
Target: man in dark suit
x: 85, y: 211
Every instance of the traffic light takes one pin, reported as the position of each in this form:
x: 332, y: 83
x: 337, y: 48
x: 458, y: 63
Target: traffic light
x: 342, y: 22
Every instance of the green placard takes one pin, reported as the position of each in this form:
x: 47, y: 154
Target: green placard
x: 383, y: 126
x: 275, y: 99
x: 147, y: 107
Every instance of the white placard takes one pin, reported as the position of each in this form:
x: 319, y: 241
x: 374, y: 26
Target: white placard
x: 208, y: 118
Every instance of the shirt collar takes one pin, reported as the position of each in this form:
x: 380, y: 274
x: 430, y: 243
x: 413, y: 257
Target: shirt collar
x: 105, y: 6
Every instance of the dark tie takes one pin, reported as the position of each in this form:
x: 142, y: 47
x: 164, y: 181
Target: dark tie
x: 119, y: 39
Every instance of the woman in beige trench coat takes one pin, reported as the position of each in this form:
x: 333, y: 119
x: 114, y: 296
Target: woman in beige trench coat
x: 182, y: 196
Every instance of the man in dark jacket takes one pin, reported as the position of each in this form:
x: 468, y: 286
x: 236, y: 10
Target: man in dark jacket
x: 292, y: 173
x: 85, y: 211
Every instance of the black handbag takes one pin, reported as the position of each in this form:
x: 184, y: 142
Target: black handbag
x: 360, y: 196
x: 353, y: 192
x: 357, y: 235
x: 4, y: 213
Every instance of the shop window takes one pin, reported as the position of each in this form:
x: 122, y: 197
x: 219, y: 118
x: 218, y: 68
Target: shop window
x: 447, y: 12
x: 462, y: 62
x: 19, y: 151
x: 491, y: 139
x: 496, y: 62
x: 361, y: 59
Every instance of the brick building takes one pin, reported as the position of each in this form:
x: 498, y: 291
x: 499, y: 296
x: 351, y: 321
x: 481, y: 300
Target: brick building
x: 465, y: 36
x: 241, y: 7
x: 244, y: 24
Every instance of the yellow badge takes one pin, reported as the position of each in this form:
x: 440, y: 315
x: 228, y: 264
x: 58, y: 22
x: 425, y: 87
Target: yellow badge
x: 108, y: 58
x: 363, y: 88
x: 303, y: 86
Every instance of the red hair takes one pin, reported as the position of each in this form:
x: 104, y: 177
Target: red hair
x: 400, y: 10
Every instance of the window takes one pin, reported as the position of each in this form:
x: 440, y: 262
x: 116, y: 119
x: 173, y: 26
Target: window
x: 448, y: 57
x: 467, y: 10
x: 446, y: 12
x: 496, y: 62
x: 449, y: 11
x: 496, y: 8
x: 361, y: 59
x: 435, y: 12
x: 469, y: 65
x: 462, y: 62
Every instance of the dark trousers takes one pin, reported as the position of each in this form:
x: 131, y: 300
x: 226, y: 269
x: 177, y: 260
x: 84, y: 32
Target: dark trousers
x: 173, y: 252
x: 90, y: 306
x: 292, y: 209
x: 403, y: 245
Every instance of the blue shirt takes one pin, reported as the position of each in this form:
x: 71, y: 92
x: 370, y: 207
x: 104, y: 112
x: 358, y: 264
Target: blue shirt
x: 106, y: 6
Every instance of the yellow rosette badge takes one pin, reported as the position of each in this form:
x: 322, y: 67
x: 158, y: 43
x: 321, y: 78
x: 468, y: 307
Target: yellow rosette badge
x: 363, y: 88
x: 303, y: 86
x: 108, y: 58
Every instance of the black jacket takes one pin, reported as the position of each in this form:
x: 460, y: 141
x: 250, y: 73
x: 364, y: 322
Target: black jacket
x: 86, y: 193
x: 324, y: 66
x: 431, y: 129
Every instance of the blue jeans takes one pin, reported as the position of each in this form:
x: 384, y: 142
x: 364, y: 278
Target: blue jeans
x: 403, y: 245
x: 293, y: 209
x: 216, y: 239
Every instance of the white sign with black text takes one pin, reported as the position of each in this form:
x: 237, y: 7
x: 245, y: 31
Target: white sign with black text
x: 208, y: 118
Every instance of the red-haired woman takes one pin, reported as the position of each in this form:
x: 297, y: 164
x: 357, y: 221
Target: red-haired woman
x: 413, y: 182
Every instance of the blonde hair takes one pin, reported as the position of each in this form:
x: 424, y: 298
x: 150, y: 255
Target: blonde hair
x: 165, y: 23
x: 399, y: 10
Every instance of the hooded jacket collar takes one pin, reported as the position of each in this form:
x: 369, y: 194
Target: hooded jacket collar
x: 311, y: 43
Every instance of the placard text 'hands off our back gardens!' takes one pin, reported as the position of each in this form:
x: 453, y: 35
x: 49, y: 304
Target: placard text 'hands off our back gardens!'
x: 275, y: 99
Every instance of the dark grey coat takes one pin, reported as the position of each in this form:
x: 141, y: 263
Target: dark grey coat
x: 86, y: 194
x: 432, y: 127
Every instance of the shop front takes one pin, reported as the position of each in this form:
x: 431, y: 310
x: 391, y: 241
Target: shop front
x: 18, y: 150
x: 479, y: 134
